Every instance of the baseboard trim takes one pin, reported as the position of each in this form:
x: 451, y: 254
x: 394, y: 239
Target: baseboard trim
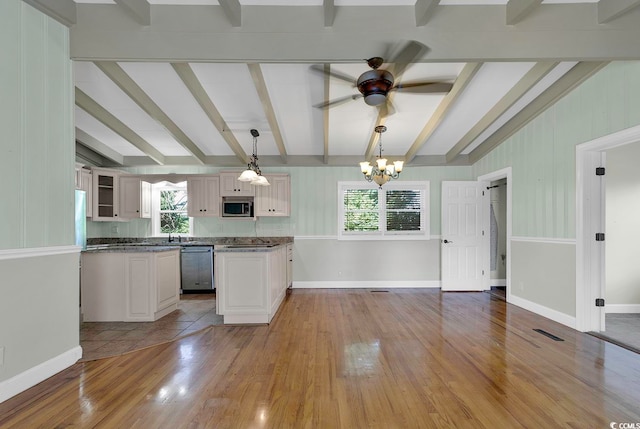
x: 498, y: 282
x: 366, y: 284
x: 622, y: 308
x: 543, y: 311
x: 38, y: 373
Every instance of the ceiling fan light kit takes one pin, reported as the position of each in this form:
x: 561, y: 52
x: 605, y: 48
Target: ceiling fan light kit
x: 252, y: 173
x: 382, y: 172
x: 375, y: 85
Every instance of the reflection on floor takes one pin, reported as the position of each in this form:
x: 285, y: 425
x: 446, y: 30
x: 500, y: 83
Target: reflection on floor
x: 105, y: 339
x: 622, y: 329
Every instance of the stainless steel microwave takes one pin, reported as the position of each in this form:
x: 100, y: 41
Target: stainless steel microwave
x: 237, y: 207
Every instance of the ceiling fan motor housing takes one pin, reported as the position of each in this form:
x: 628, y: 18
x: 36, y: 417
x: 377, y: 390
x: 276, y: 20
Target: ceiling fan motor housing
x: 374, y: 85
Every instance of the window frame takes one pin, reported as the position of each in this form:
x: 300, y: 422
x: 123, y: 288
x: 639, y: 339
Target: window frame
x: 382, y: 233
x: 155, y: 206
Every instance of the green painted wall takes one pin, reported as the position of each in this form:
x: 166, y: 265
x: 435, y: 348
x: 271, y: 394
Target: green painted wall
x: 542, y: 157
x: 542, y: 154
x: 39, y: 295
x: 313, y: 203
x: 36, y: 119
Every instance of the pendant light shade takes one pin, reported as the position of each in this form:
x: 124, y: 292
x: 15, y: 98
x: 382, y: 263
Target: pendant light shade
x: 252, y: 174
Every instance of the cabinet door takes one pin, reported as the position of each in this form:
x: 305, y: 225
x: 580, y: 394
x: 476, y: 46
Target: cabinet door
x: 138, y: 284
x: 105, y: 195
x: 204, y: 196
x: 86, y: 181
x: 135, y: 198
x: 275, y: 199
x: 230, y: 186
x: 212, y: 195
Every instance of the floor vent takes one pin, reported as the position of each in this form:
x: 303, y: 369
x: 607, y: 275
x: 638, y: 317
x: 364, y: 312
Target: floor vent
x: 546, y: 334
x: 378, y: 290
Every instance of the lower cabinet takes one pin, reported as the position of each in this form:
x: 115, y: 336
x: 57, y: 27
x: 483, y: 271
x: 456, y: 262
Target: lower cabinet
x: 129, y: 286
x: 250, y: 285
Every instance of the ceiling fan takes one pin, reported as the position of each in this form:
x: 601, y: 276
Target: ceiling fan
x: 375, y: 85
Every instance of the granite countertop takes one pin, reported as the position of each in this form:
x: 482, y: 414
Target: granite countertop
x: 247, y: 247
x: 153, y: 244
x: 111, y: 248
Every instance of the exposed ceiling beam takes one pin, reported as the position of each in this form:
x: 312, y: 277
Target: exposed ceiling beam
x: 517, y: 10
x: 329, y: 9
x: 608, y: 10
x: 140, y: 10
x: 98, y: 147
x: 185, y: 72
x: 574, y: 77
x: 531, y: 78
x: 285, y: 34
x: 90, y: 106
x: 263, y: 93
x: 424, y: 10
x: 88, y: 156
x: 233, y: 10
x: 463, y: 79
x: 137, y: 94
x: 63, y: 11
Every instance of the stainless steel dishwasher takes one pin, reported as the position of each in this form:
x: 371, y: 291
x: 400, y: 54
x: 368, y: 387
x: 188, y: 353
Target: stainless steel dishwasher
x: 197, y: 269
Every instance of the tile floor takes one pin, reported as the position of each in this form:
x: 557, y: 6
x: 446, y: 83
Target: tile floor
x: 622, y: 329
x: 105, y: 339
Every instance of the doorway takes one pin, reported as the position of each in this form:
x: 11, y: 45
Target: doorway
x: 497, y: 258
x: 591, y: 205
x: 497, y: 238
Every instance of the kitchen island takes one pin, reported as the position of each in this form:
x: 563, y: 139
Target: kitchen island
x: 251, y: 281
x: 129, y: 283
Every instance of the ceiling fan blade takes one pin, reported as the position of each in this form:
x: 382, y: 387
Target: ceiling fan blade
x: 386, y: 109
x: 317, y: 68
x: 423, y: 87
x: 337, y: 101
x: 407, y: 55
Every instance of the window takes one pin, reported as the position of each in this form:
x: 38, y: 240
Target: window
x: 398, y: 211
x: 170, y: 209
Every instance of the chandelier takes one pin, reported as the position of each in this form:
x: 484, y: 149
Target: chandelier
x: 252, y: 173
x: 381, y: 172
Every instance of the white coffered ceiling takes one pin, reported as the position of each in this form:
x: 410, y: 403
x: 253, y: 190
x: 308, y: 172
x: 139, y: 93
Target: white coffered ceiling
x: 173, y: 82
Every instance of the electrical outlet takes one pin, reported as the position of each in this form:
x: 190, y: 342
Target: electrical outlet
x: 115, y: 229
x: 1, y: 356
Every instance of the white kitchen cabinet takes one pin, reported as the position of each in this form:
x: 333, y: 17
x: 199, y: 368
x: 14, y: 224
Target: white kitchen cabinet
x: 129, y: 286
x: 86, y: 185
x: 204, y: 196
x: 135, y: 197
x: 250, y: 285
x: 275, y: 199
x: 230, y: 186
x: 106, y: 195
x: 289, y: 262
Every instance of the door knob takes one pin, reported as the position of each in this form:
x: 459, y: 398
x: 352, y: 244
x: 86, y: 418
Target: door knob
x: 447, y: 241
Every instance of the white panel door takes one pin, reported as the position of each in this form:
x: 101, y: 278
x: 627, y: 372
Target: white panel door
x: 462, y: 235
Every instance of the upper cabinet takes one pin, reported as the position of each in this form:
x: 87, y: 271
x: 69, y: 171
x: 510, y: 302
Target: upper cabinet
x: 204, y: 196
x: 230, y: 186
x: 275, y: 199
x: 135, y: 197
x: 105, y: 195
x: 85, y: 183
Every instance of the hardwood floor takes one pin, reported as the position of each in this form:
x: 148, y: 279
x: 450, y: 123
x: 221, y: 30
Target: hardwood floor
x: 353, y: 359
